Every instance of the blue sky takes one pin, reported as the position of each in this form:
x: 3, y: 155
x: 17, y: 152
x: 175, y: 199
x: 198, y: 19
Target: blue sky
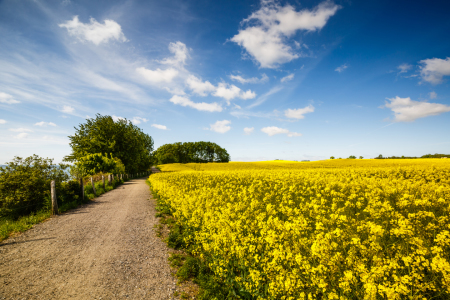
x: 265, y: 80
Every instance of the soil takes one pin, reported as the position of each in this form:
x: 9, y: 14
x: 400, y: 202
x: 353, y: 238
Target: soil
x: 107, y: 249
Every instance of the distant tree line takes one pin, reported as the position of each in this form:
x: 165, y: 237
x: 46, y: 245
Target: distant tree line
x: 436, y: 155
x: 191, y: 152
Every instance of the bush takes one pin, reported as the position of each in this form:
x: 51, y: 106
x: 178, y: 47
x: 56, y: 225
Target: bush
x: 25, y: 185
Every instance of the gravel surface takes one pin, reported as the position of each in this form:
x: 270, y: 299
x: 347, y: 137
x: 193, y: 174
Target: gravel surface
x: 106, y: 249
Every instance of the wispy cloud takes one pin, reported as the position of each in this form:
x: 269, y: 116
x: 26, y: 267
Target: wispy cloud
x: 22, y: 135
x: 433, y: 95
x: 403, y: 68
x: 263, y: 98
x: 162, y: 127
x: 138, y: 120
x: 248, y: 130
x: 298, y: 113
x: 3, y: 121
x: 239, y: 78
x: 20, y: 130
x: 340, y: 69
x: 273, y: 130
x: 43, y: 124
x: 202, y: 106
x: 7, y: 99
x: 68, y: 109
x: 287, y: 78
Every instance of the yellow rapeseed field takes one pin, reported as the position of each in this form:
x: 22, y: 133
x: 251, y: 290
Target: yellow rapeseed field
x: 337, y: 229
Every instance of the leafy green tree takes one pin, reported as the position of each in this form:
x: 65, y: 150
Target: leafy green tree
x: 352, y: 157
x: 331, y: 157
x: 198, y: 152
x: 25, y: 184
x: 95, y: 163
x: 361, y: 157
x: 121, y: 139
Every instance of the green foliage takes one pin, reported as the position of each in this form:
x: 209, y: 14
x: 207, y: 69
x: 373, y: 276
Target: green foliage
x: 25, y: 184
x: 361, y: 157
x: 352, y: 157
x: 95, y: 163
x: 331, y: 157
x: 120, y: 139
x: 197, y: 152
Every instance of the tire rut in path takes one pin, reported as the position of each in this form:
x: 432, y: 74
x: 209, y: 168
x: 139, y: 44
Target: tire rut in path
x: 105, y: 249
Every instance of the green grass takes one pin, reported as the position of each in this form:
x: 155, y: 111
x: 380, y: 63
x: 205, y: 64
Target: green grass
x: 10, y: 226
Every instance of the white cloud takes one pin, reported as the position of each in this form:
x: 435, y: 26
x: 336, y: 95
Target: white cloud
x: 138, y: 120
x: 287, y: 78
x: 264, y: 78
x: 68, y: 109
x: 94, y: 32
x: 265, y: 39
x: 21, y: 135
x: 7, y: 98
x: 433, y: 95
x: 198, y: 86
x: 404, y: 68
x: 229, y: 92
x: 175, y: 91
x: 180, y: 54
x: 43, y: 124
x: 2, y: 121
x: 298, y: 113
x: 226, y: 91
x: 162, y: 127
x: 20, y: 130
x: 249, y: 130
x: 158, y: 75
x: 272, y: 130
x: 202, y: 106
x: 341, y: 68
x: 407, y: 110
x: 434, y: 69
x: 116, y: 118
x: 247, y: 95
x: 220, y: 126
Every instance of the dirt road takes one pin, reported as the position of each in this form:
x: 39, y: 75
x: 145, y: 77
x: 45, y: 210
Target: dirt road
x: 106, y: 249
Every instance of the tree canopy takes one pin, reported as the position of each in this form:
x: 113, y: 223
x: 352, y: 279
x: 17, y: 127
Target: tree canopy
x: 197, y: 152
x: 118, y: 139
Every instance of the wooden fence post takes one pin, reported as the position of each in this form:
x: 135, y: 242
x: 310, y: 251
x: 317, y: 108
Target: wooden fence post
x: 93, y: 186
x: 103, y: 181
x: 82, y: 188
x: 54, y: 202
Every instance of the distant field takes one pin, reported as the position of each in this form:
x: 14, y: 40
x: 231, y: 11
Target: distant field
x: 335, y: 229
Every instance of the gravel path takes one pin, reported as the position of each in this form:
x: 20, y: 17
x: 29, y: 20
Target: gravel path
x: 106, y: 249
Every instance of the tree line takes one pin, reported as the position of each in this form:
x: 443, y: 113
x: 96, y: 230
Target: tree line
x: 191, y: 152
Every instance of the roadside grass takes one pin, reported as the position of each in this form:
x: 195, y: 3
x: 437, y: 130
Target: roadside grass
x: 188, y: 266
x: 11, y: 226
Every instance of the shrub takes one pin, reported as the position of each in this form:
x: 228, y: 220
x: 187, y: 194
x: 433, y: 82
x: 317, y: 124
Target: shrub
x: 25, y: 184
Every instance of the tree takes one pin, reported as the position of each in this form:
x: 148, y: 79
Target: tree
x: 352, y: 157
x: 197, y: 152
x: 361, y: 157
x: 379, y: 157
x: 121, y: 139
x: 331, y: 157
